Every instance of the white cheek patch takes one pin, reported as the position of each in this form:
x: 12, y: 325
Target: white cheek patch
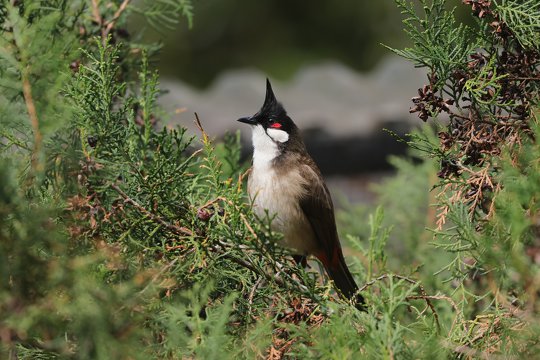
x: 278, y: 135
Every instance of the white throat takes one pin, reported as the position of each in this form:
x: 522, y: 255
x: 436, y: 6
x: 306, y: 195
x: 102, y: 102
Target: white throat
x: 265, y: 145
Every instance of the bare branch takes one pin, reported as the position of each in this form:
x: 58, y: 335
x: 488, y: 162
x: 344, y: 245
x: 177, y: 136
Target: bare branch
x: 32, y: 113
x: 179, y: 230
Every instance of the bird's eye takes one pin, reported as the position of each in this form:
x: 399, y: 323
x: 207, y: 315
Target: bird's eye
x: 275, y: 125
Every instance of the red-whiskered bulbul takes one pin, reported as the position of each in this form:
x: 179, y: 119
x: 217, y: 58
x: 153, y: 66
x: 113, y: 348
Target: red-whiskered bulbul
x: 286, y: 183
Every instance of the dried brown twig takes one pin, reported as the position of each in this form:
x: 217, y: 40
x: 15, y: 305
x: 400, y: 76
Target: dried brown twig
x: 179, y: 230
x: 107, y: 26
x: 110, y: 24
x: 32, y: 113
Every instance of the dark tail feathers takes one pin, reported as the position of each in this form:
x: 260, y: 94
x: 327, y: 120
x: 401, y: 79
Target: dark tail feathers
x: 345, y: 283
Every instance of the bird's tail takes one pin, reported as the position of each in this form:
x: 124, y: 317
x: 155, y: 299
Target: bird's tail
x: 344, y: 281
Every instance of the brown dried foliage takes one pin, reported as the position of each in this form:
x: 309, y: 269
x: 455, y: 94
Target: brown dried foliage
x: 301, y: 310
x: 483, y: 124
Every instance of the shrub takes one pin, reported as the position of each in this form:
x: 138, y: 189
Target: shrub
x: 123, y: 238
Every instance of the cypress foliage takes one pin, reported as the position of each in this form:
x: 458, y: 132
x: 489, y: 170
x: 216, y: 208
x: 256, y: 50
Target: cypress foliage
x: 123, y: 238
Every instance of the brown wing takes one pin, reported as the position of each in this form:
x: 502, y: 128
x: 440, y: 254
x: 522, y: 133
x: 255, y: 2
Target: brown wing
x: 319, y: 210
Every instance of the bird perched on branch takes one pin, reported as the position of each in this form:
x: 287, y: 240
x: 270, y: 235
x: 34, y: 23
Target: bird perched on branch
x: 286, y: 183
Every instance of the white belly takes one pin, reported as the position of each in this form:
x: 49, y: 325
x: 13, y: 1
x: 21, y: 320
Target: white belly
x: 278, y: 196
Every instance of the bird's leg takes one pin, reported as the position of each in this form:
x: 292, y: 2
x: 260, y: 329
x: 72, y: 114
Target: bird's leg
x: 300, y: 260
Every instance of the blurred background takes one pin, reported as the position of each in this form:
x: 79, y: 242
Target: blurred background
x: 328, y: 67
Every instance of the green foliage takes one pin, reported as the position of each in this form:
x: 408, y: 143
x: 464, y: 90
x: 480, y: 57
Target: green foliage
x: 440, y: 43
x: 123, y: 238
x: 164, y: 13
x: 523, y: 18
x: 377, y: 242
x: 187, y: 335
x: 52, y: 303
x: 44, y: 31
x: 139, y: 219
x: 485, y: 229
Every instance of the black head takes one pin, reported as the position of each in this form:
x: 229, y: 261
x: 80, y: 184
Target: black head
x: 272, y: 115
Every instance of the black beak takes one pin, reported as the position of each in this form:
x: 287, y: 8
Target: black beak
x: 248, y: 120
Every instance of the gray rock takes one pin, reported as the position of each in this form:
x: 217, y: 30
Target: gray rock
x: 328, y: 96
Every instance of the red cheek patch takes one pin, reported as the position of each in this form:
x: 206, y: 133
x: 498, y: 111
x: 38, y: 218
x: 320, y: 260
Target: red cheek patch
x: 276, y: 126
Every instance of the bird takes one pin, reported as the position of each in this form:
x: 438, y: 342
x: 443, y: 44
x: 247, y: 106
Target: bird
x: 286, y: 183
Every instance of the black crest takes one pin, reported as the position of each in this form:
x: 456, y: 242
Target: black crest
x: 271, y: 109
x: 270, y: 98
